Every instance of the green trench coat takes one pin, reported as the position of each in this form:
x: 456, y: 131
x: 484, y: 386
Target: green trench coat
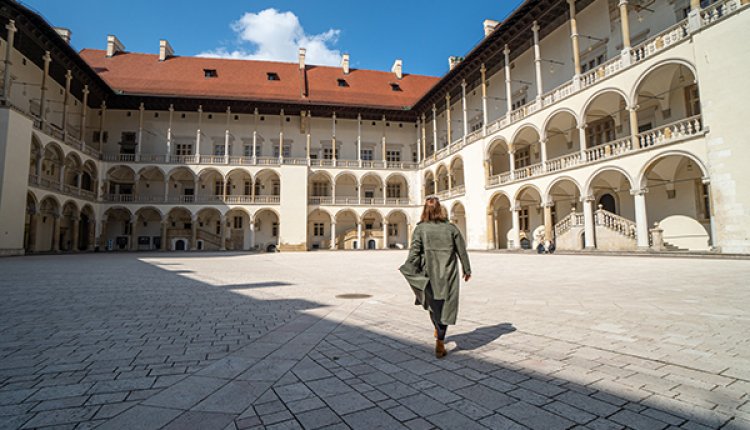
x: 432, y: 260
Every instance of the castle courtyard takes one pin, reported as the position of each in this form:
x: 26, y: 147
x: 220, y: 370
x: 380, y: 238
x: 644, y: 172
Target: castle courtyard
x: 332, y: 340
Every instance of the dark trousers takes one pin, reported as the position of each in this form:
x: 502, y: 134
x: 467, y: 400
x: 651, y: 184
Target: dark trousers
x: 436, y: 312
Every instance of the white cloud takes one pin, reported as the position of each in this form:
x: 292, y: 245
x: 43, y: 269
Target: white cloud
x: 276, y: 36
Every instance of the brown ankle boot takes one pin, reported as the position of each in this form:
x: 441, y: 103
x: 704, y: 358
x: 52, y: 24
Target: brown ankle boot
x: 440, y: 351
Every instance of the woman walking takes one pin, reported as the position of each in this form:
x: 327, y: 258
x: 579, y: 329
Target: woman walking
x: 432, y: 268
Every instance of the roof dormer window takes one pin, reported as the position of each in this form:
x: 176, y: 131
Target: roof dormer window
x: 210, y: 73
x: 395, y: 87
x: 342, y: 82
x: 273, y: 76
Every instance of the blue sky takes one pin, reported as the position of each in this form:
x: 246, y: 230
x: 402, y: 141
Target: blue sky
x: 422, y: 33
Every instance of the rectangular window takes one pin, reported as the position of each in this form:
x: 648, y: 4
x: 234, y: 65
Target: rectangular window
x: 392, y: 229
x: 518, y: 102
x: 600, y: 132
x: 100, y: 137
x: 692, y: 100
x: 218, y: 188
x: 706, y: 201
x: 393, y: 191
x: 247, y: 188
x: 476, y: 126
x: 276, y: 188
x: 219, y: 150
x: 275, y: 229
x: 273, y: 76
x: 522, y: 158
x: 320, y: 189
x: 369, y: 194
x: 523, y: 217
x: 366, y: 154
x: 368, y: 225
x: 183, y: 149
x: 210, y: 73
x: 247, y: 151
x: 258, y: 149
x: 318, y: 230
x: 393, y: 156
x: 218, y: 227
x: 328, y: 153
x: 238, y: 222
x: 287, y: 150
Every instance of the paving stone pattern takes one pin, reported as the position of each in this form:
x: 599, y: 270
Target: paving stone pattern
x: 260, y: 341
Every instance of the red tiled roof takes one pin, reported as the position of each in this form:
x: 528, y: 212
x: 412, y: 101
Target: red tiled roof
x: 247, y: 80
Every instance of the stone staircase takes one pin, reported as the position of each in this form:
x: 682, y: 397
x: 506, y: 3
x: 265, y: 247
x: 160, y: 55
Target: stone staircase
x: 613, y: 232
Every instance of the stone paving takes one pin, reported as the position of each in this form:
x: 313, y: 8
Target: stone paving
x: 234, y: 341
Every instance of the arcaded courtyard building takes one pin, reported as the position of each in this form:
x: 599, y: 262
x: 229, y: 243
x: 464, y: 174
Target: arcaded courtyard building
x: 599, y: 124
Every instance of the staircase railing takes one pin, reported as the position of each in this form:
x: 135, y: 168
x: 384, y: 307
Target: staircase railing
x: 615, y: 223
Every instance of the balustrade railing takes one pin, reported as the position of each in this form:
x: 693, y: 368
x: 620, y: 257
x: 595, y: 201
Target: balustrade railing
x: 562, y: 163
x: 671, y: 132
x: 609, y: 149
x: 718, y: 10
x: 573, y: 219
x: 615, y: 223
x: 661, y: 41
x: 603, y: 71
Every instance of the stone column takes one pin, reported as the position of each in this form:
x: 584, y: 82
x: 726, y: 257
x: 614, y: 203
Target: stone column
x: 226, y: 136
x: 169, y: 134
x: 508, y: 89
x: 359, y: 139
x: 491, y: 244
x: 332, y: 245
x: 255, y: 133
x: 43, y: 100
x: 574, y: 41
x: 543, y: 150
x: 465, y: 109
x: 84, y: 109
x: 434, y: 129
x: 359, y: 236
x: 633, y: 115
x: 11, y: 28
x: 512, y: 156
x: 483, y: 70
x: 537, y: 63
x: 424, y: 137
x: 641, y: 218
x: 194, y: 234
x: 333, y: 138
x: 516, y: 226
x: 382, y: 144
x: 625, y: 28
x: 223, y: 232
x: 56, y: 233
x: 548, y: 220
x: 419, y: 141
x: 164, y: 226
x: 100, y: 234
x: 385, y: 235
x: 139, y: 148
x: 66, y: 97
x: 132, y: 240
x: 582, y: 141
x: 102, y: 120
x: 166, y: 190
x: 588, y: 222
x: 308, y: 136
x: 281, y: 136
x: 409, y: 230
x: 252, y: 234
x: 33, y: 219
x: 76, y: 233
x: 449, y: 130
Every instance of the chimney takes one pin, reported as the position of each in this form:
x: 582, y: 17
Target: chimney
x: 302, y: 52
x: 114, y: 46
x: 453, y: 61
x: 165, y: 50
x: 345, y: 63
x: 64, y: 33
x: 397, y: 69
x: 489, y: 26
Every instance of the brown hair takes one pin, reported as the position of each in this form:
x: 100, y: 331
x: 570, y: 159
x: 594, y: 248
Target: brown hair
x: 433, y: 211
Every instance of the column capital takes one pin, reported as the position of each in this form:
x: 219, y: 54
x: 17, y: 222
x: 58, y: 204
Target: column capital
x: 229, y: 110
x: 639, y: 191
x: 69, y: 75
x: 141, y: 107
x: 434, y: 108
x: 11, y: 26
x: 535, y: 27
x: 448, y: 97
x: 47, y: 57
x: 706, y: 180
x: 463, y: 84
x: 86, y: 90
x: 506, y: 50
x: 589, y: 198
x: 548, y: 204
x: 171, y: 107
x: 483, y: 68
x: 622, y: 3
x: 515, y: 207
